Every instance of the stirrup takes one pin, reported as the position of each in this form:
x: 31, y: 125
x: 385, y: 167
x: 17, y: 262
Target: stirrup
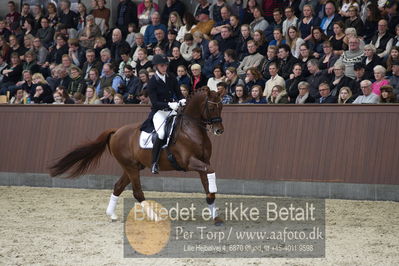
x: 154, y: 168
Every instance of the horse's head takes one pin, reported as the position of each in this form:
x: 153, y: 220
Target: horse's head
x: 207, y: 106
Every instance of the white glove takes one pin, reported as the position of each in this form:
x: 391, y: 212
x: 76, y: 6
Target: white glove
x: 182, y: 102
x: 173, y: 105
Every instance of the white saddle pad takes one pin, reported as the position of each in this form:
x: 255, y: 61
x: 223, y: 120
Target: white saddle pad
x: 146, y: 138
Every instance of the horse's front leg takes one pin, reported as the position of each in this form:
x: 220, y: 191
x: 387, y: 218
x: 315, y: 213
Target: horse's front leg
x: 208, y: 179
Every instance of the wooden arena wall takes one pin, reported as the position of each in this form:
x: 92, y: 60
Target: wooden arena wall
x: 316, y: 143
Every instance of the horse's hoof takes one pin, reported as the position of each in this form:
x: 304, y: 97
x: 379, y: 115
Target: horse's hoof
x: 219, y: 221
x: 114, y: 217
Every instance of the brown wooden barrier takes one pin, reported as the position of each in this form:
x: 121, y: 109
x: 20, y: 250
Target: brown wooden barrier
x: 322, y: 143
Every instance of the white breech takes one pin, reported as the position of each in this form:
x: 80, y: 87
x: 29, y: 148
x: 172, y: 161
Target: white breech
x: 159, y: 120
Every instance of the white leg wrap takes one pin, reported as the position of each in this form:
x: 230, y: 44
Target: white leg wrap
x: 212, y: 183
x: 213, y: 210
x: 112, y: 206
x: 149, y: 211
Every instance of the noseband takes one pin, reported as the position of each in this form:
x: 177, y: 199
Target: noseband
x: 211, y: 120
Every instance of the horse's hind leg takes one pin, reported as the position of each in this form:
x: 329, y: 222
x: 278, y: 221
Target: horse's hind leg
x: 134, y: 176
x: 210, y: 199
x: 119, y: 187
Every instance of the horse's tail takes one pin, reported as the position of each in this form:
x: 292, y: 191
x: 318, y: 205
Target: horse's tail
x: 83, y: 157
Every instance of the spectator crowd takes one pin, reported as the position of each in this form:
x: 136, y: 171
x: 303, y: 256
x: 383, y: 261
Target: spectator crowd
x: 268, y: 52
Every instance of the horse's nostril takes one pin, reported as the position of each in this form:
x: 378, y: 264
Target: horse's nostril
x: 219, y: 131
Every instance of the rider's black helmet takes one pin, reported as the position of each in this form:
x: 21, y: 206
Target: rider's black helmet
x: 159, y: 59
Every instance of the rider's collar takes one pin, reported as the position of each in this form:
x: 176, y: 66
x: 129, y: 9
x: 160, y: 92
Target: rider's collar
x: 162, y: 77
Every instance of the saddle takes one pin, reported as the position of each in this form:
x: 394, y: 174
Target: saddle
x: 147, y: 140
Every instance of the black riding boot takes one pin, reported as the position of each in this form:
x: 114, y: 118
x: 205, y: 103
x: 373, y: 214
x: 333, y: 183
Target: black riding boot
x: 156, y: 151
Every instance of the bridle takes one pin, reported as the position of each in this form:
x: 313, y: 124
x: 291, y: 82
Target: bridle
x: 211, y: 120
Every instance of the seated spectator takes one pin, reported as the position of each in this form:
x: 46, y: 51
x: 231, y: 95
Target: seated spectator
x: 216, y: 79
x: 290, y: 20
x: 328, y: 60
x: 354, y: 20
x: 20, y: 97
x: 235, y: 26
x: 109, y: 79
x: 240, y: 96
x: 99, y: 45
x: 393, y: 56
x: 276, y: 23
x: 131, y: 34
x: 380, y: 80
x: 90, y: 63
x: 94, y: 79
x: 230, y: 60
x: 117, y: 45
x: 316, y: 77
x: 118, y: 99
x: 108, y: 97
x: 222, y: 20
x: 66, y: 98
x: 224, y: 95
x: 345, y: 96
x: 145, y: 10
x: 76, y: 52
x: 339, y: 80
x: 78, y: 98
x: 271, y: 56
x: 351, y: 33
x: 331, y: 16
x: 39, y: 51
x: 259, y: 22
x: 11, y: 74
x: 304, y: 94
x: 215, y: 11
x: 307, y: 22
x: 256, y: 95
x: 15, y: 47
x: 4, y: 49
x: 176, y: 61
x: 197, y: 57
x: 57, y: 51
x: 126, y: 61
x: 142, y: 61
x: 226, y: 39
x: 144, y: 98
x: 325, y: 94
x: 184, y: 91
x: 89, y: 33
x: 278, y: 37
x: 278, y: 95
x: 102, y: 12
x: 202, y: 43
x: 253, y: 77
x: 387, y: 95
x: 248, y: 16
x: 274, y: 80
x: 352, y: 56
x: 260, y: 41
x: 58, y: 98
x: 188, y: 24
x: 337, y: 39
x: 197, y: 79
x: 294, y: 41
x: 383, y: 39
x: 253, y: 59
x: 216, y: 58
x: 291, y: 84
x: 136, y: 87
x: 149, y: 35
x: 370, y: 60
x: 204, y: 25
x: 173, y: 21
x: 91, y: 96
x: 52, y: 15
x: 77, y: 83
x: 286, y: 60
x: 233, y: 80
x: 25, y: 13
x: 172, y: 42
x: 82, y: 14
x: 304, y: 57
x: 138, y: 44
x: 394, y: 79
x: 12, y: 18
x: 42, y: 95
x: 45, y: 33
x: 187, y: 47
x: 368, y: 96
x: 30, y: 62
x: 316, y: 42
x: 182, y: 77
x: 241, y: 47
x: 67, y: 17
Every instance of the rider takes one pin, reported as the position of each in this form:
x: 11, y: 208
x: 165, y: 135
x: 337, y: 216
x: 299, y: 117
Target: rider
x: 165, y: 98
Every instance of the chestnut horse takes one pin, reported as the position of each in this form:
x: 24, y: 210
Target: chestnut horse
x: 190, y: 146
